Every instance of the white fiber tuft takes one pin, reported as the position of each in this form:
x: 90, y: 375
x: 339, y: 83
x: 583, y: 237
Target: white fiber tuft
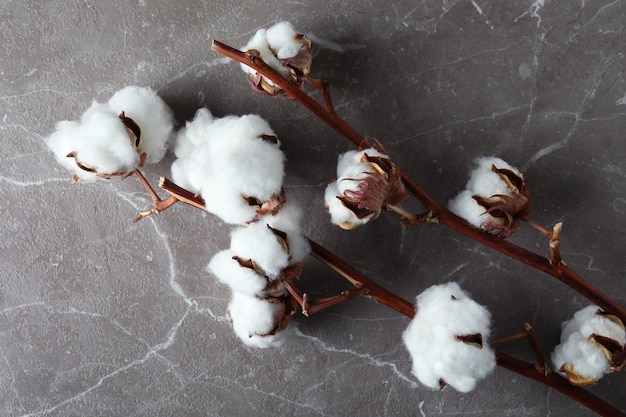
x: 577, y: 349
x: 431, y: 338
x: 484, y: 183
x: 227, y: 160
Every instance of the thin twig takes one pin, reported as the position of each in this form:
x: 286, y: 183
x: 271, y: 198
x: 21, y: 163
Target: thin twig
x: 159, y: 205
x: 358, y: 279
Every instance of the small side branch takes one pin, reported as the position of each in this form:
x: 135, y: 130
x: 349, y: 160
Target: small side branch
x: 529, y: 334
x: 159, y: 205
x: 323, y: 88
x: 555, y: 245
x: 359, y: 280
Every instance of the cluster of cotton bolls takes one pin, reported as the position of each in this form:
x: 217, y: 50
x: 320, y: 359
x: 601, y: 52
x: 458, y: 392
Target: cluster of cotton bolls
x: 263, y: 257
x: 447, y: 339
x: 285, y: 50
x: 115, y: 137
x: 236, y: 165
x: 494, y: 198
x: 366, y: 182
x: 589, y: 344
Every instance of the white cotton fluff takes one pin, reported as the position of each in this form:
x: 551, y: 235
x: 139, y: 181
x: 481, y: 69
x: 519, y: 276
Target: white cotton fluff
x: 578, y: 350
x: 100, y: 140
x: 274, y: 44
x: 485, y: 183
x: 431, y: 338
x: 240, y: 279
x: 225, y: 160
x: 289, y: 221
x: 259, y: 243
x: 280, y: 38
x: 350, y: 169
x: 253, y: 319
x: 153, y: 116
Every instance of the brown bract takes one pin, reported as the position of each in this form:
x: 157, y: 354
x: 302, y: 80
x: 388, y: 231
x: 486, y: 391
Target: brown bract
x: 507, y: 208
x: 376, y: 190
x: 613, y: 350
x: 134, y: 135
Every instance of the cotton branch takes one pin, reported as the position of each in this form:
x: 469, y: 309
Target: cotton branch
x: 548, y: 265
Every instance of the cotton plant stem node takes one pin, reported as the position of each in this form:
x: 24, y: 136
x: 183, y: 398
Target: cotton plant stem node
x: 529, y: 334
x: 555, y: 245
x: 159, y: 204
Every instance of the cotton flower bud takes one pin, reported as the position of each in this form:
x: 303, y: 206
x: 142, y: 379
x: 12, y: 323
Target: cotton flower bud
x: 114, y: 138
x: 495, y: 197
x: 447, y: 339
x: 367, y: 181
x: 592, y: 345
x: 281, y: 47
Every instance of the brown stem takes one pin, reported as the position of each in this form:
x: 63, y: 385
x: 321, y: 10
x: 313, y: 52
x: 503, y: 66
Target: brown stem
x: 182, y: 194
x: 538, y: 227
x: 559, y: 383
x: 513, y: 337
x: 358, y: 279
x: 559, y: 270
x: 541, y: 363
x: 159, y: 205
x: 324, y: 88
x: 408, y: 218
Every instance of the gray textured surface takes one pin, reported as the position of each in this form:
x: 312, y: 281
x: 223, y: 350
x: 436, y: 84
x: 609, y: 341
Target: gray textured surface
x: 102, y: 317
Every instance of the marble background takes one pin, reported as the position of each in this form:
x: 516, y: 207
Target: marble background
x: 103, y: 317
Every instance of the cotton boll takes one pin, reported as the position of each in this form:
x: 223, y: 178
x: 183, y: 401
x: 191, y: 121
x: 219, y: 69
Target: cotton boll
x: 235, y: 163
x: 289, y: 53
x: 255, y: 321
x: 240, y: 279
x: 366, y: 183
x: 585, y: 356
x: 582, y: 359
x: 493, y: 200
x: 99, y: 143
x: 445, y: 313
x: 340, y: 215
x: 486, y: 183
x: 153, y: 116
x: 245, y: 161
x: 259, y: 243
